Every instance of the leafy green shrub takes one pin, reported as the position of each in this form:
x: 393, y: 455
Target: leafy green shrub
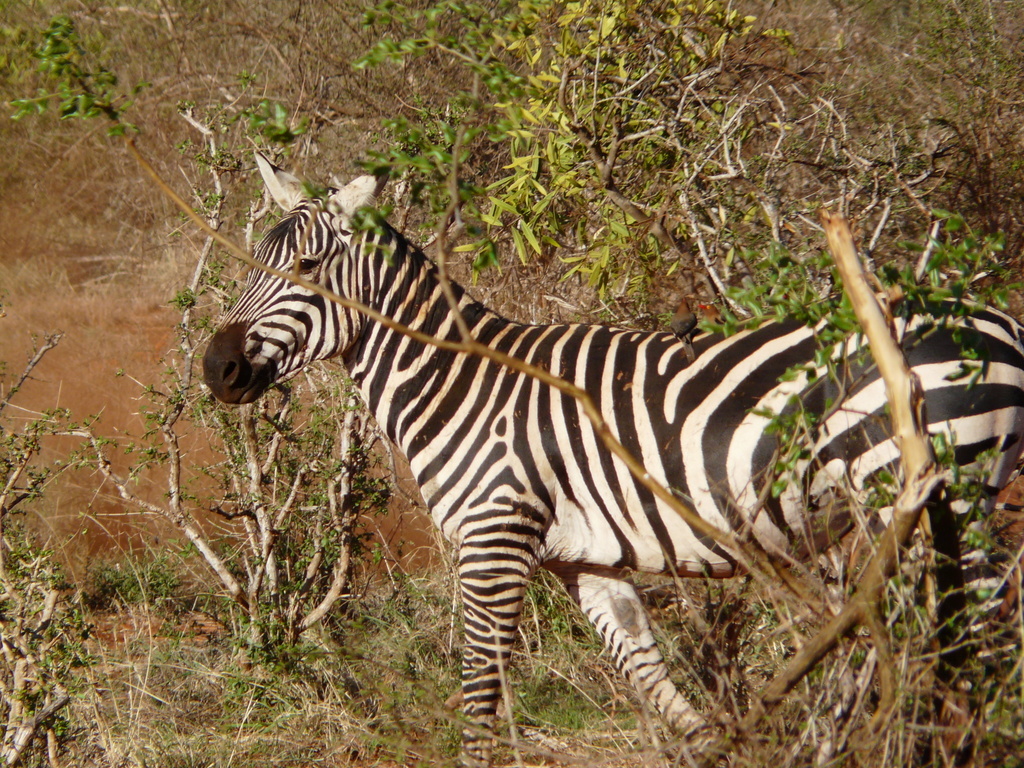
x: 85, y: 88
x: 133, y: 580
x: 591, y: 116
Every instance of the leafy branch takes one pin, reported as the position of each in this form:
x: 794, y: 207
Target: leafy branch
x: 83, y: 90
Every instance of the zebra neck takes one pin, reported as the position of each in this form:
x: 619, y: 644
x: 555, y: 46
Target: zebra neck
x: 397, y: 375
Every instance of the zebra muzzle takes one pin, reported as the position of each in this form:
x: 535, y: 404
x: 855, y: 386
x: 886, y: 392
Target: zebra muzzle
x: 228, y: 373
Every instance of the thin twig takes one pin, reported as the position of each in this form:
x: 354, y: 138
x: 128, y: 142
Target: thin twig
x: 180, y: 518
x: 50, y: 341
x: 929, y: 249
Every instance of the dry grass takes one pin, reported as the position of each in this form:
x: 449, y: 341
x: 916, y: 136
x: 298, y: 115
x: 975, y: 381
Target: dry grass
x: 168, y: 687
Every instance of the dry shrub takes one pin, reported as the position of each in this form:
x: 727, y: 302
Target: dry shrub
x: 926, y: 87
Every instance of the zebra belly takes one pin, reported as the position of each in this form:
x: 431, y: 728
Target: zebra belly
x: 628, y: 539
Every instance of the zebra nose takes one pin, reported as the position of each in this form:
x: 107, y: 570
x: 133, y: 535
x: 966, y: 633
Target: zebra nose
x: 226, y: 371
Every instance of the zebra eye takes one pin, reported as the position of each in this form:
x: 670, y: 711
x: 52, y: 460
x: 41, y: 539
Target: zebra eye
x: 307, y: 265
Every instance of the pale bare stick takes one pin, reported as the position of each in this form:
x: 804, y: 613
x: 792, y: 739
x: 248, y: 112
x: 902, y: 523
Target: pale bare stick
x: 922, y: 479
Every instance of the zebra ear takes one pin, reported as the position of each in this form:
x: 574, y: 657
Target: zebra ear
x: 356, y: 194
x: 282, y: 186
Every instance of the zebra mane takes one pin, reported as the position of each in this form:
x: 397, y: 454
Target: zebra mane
x: 410, y: 265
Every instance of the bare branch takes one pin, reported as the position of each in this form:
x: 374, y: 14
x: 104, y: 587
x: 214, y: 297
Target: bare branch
x: 50, y: 341
x: 180, y: 518
x: 929, y: 249
x: 23, y: 731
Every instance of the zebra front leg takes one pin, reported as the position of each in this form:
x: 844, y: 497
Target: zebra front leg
x: 493, y: 583
x: 610, y: 602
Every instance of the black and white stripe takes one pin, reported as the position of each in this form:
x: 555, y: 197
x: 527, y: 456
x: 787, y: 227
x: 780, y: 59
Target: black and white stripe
x: 513, y: 473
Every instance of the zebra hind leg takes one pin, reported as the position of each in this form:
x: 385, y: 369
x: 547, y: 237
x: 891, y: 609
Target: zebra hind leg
x: 610, y: 602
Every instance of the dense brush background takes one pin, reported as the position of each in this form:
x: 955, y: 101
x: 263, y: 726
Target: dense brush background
x: 886, y: 111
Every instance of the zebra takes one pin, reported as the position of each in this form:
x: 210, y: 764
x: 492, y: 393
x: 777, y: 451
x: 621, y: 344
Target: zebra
x: 513, y: 473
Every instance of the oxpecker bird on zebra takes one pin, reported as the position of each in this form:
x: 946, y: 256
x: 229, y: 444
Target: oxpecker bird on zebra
x: 516, y: 477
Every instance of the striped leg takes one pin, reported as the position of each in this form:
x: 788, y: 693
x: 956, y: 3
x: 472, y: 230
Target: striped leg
x: 495, y: 564
x: 610, y: 601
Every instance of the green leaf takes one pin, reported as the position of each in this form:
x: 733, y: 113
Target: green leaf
x: 487, y: 257
x: 530, y: 236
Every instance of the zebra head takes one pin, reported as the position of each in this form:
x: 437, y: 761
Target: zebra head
x: 277, y: 326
